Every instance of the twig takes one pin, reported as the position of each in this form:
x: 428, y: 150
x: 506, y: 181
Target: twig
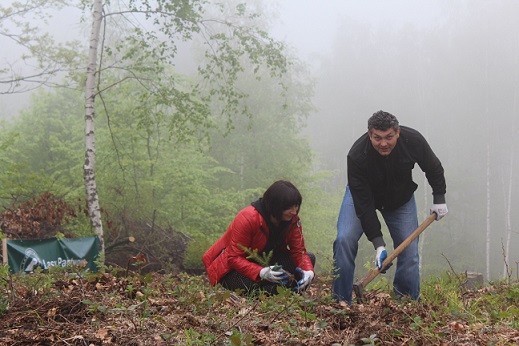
x: 455, y: 274
x: 240, y: 319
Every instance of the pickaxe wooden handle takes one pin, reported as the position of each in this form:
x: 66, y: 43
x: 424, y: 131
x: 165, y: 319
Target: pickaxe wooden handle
x: 359, y: 286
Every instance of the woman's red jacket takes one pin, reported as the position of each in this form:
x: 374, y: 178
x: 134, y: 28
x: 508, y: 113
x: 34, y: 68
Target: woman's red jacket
x: 251, y: 231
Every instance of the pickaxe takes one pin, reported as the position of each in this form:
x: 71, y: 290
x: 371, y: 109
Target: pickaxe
x: 358, y: 287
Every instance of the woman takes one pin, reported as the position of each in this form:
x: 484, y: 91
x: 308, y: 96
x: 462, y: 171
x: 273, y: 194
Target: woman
x: 269, y: 224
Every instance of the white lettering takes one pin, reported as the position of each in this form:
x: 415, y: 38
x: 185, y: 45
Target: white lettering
x: 62, y: 262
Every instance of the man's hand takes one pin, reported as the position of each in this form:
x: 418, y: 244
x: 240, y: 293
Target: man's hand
x: 274, y: 274
x: 381, y: 256
x: 440, y: 210
x: 306, y: 278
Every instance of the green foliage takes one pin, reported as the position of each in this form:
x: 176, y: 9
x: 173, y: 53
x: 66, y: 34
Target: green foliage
x: 5, y: 286
x: 164, y: 147
x: 319, y: 213
x: 448, y: 295
x: 195, y: 338
x: 44, y: 150
x: 502, y: 306
x: 22, y: 22
x: 195, y: 250
x: 442, y: 291
x: 372, y: 340
x: 239, y: 339
x: 262, y: 259
x: 95, y: 308
x: 4, y: 304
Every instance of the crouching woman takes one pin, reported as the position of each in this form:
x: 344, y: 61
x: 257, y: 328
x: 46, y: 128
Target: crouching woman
x: 269, y: 224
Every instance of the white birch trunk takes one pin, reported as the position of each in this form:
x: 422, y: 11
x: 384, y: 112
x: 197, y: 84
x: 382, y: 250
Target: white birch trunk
x: 94, y: 211
x: 508, y: 217
x: 510, y: 181
x: 488, y: 213
x: 421, y: 96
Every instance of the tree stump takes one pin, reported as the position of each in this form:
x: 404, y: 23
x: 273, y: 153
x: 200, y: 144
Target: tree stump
x: 473, y: 281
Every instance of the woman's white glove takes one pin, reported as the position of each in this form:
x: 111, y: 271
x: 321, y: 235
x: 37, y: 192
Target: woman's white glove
x: 274, y: 274
x: 306, y: 278
x: 440, y: 210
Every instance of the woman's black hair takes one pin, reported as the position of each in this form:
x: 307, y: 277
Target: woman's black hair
x: 280, y: 196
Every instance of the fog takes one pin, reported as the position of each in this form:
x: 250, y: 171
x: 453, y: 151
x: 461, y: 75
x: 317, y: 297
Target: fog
x: 446, y: 68
x: 312, y: 27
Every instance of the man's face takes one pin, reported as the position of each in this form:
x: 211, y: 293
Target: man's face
x: 384, y: 141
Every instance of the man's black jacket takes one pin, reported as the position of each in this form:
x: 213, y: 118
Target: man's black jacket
x: 386, y: 182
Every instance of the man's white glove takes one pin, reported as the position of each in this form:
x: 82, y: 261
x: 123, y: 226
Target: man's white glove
x: 274, y: 274
x: 440, y: 210
x: 306, y: 278
x: 381, y: 256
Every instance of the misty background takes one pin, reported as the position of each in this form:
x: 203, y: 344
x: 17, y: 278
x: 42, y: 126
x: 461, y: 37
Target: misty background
x: 446, y: 68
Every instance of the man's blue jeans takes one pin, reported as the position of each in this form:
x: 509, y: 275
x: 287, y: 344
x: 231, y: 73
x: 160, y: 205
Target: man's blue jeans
x: 401, y: 223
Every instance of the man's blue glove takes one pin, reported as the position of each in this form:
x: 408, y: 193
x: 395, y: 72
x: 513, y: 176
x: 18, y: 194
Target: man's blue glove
x: 381, y: 256
x: 274, y: 274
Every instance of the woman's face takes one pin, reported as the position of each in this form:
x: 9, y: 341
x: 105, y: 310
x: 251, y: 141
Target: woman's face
x: 288, y: 214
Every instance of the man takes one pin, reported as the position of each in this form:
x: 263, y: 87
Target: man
x: 380, y: 165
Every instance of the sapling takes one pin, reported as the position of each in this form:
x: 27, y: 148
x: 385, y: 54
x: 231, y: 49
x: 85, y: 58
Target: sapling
x: 264, y: 259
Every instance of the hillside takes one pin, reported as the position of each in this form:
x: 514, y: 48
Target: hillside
x: 125, y: 308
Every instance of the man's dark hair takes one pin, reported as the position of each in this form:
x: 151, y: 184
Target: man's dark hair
x: 382, y: 121
x: 280, y: 196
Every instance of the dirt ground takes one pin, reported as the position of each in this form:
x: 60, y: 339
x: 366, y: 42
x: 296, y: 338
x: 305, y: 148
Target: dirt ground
x: 184, y: 310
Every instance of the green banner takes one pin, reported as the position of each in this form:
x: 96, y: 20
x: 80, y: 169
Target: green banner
x: 27, y: 255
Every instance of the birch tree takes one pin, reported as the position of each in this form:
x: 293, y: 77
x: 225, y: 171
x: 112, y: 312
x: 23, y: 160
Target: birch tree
x: 488, y: 223
x: 94, y: 211
x: 138, y: 39
x: 234, y: 45
x: 508, y: 204
x: 511, y: 174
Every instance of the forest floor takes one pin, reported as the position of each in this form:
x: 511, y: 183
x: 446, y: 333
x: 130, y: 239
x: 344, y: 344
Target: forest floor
x: 131, y: 309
